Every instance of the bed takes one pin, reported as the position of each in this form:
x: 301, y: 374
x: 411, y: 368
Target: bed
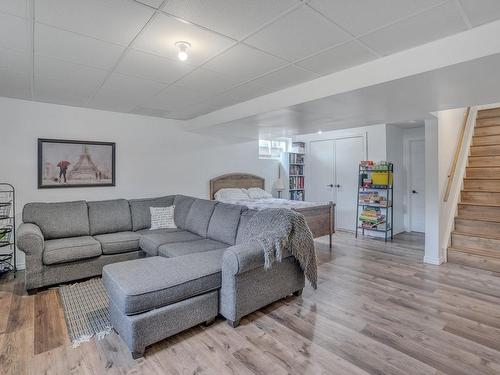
x: 319, y: 216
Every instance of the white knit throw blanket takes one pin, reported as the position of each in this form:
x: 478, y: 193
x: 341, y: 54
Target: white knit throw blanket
x: 278, y: 229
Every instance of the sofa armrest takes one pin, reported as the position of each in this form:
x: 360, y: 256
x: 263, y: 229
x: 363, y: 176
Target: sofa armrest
x: 242, y: 258
x: 30, y: 239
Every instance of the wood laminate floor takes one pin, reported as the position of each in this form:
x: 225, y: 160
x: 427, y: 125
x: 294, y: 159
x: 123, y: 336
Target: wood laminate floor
x: 377, y: 310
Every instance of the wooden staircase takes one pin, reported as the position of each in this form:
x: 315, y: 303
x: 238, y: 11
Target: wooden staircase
x: 475, y: 240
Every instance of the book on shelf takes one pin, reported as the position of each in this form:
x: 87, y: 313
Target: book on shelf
x: 296, y: 158
x: 296, y: 182
x: 297, y: 195
x: 299, y: 147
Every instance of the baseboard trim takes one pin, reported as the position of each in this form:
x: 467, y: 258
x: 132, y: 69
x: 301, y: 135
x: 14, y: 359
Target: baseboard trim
x: 434, y: 261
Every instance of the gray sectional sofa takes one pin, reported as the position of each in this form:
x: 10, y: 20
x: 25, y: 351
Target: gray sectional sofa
x: 159, y: 282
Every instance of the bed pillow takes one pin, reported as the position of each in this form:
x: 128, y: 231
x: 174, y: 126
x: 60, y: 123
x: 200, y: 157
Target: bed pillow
x: 162, y: 218
x: 229, y: 194
x: 258, y: 193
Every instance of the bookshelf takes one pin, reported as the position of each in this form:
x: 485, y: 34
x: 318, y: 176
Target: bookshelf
x: 7, y: 229
x: 375, y: 198
x: 293, y: 164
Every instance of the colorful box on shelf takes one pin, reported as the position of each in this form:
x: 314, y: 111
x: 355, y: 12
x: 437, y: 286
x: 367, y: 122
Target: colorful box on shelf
x: 381, y: 178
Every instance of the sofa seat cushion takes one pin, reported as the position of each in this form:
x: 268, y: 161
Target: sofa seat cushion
x: 70, y: 249
x: 120, y: 242
x: 151, y: 240
x: 176, y: 249
x: 149, y: 283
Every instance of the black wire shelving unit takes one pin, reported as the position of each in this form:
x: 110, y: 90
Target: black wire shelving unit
x: 7, y: 229
x: 387, y: 208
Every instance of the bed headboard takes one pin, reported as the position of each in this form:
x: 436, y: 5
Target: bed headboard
x: 235, y: 180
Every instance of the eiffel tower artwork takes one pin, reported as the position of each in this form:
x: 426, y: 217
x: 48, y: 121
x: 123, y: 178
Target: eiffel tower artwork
x: 85, y: 169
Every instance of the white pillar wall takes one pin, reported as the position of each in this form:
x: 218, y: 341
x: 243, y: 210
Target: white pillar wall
x: 433, y: 252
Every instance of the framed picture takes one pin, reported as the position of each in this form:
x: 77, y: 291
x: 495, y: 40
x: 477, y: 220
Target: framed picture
x: 69, y: 163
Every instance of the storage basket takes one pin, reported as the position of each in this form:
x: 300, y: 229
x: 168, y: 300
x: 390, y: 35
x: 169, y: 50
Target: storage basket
x: 380, y: 178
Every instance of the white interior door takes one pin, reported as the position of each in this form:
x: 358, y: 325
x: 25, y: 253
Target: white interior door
x: 417, y: 185
x: 321, y: 172
x: 348, y: 153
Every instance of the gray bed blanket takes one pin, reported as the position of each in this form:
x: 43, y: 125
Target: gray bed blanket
x: 278, y: 229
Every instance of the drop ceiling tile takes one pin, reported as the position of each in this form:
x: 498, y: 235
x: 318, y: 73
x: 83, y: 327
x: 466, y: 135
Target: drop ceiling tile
x: 438, y: 23
x: 207, y: 82
x: 59, y: 92
x: 174, y: 98
x: 15, y: 7
x: 300, y: 33
x: 115, y: 21
x: 123, y: 93
x: 15, y: 61
x: 362, y: 16
x: 154, y: 3
x: 235, y: 18
x: 244, y: 62
x: 164, y: 31
x: 14, y: 32
x: 80, y: 79
x: 286, y: 77
x: 15, y: 85
x: 156, y: 68
x: 238, y: 94
x: 483, y: 11
x: 75, y: 48
x: 338, y: 58
x: 146, y: 111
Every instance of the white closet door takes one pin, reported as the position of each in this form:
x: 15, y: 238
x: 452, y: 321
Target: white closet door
x: 417, y: 186
x: 321, y: 172
x: 348, y: 153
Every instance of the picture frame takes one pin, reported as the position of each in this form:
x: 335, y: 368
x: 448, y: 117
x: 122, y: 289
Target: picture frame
x: 65, y: 163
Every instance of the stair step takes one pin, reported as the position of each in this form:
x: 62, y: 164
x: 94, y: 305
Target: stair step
x: 477, y: 227
x: 487, y: 122
x: 476, y: 245
x: 486, y: 140
x: 479, y: 212
x: 484, y: 161
x: 487, y: 130
x: 483, y: 173
x: 481, y: 185
x: 485, y: 150
x: 487, y: 113
x: 481, y: 197
x: 457, y: 256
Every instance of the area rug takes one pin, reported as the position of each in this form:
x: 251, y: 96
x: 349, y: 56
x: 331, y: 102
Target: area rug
x: 86, y: 311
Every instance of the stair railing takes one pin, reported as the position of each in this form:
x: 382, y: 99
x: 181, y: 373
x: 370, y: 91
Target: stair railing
x: 458, y: 151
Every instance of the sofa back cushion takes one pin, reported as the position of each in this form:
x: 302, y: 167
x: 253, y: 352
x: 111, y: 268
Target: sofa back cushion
x: 139, y: 209
x: 109, y: 216
x: 58, y: 220
x: 182, y: 206
x: 199, y: 216
x: 245, y: 217
x: 224, y: 222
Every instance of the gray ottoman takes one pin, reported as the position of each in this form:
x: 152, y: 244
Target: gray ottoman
x: 156, y: 297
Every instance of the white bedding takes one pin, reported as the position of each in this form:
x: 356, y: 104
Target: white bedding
x: 261, y: 203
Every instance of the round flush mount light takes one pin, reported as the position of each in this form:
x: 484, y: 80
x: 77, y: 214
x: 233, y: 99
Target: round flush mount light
x: 320, y: 131
x: 183, y: 48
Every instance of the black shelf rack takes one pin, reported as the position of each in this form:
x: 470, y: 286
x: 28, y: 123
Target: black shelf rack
x: 7, y: 228
x: 388, y: 189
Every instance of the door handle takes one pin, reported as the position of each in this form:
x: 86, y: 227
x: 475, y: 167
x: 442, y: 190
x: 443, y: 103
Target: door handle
x: 331, y: 185
x: 337, y: 186
x: 414, y: 192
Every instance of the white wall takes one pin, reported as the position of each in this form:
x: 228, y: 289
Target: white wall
x: 395, y: 154
x: 441, y: 139
x: 153, y: 156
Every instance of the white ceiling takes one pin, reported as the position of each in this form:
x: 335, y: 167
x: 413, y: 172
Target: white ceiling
x: 396, y: 102
x: 119, y: 55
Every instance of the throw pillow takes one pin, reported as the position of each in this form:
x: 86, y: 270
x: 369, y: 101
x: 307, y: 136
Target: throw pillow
x: 162, y: 217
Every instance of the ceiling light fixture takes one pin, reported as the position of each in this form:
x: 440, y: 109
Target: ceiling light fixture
x: 320, y: 131
x: 183, y: 47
